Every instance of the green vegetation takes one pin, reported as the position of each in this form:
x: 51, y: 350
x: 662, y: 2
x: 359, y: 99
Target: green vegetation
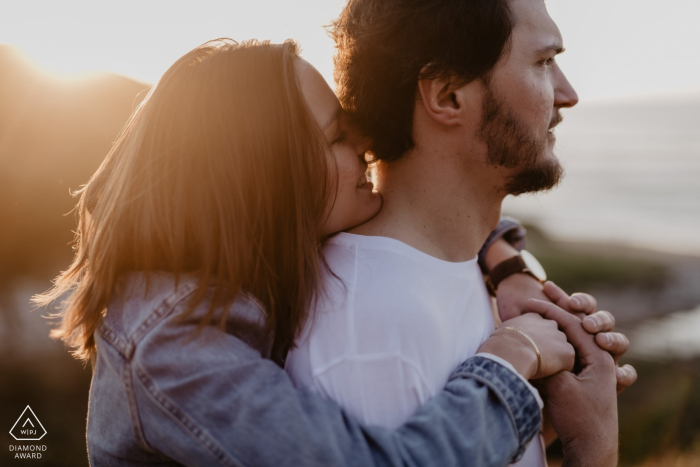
x: 661, y: 413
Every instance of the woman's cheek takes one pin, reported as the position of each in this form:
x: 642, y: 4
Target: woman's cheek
x: 343, y: 209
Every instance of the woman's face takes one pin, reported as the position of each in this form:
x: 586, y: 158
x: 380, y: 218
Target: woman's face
x: 355, y: 202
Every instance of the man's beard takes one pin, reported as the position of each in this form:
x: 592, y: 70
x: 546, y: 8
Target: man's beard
x: 511, y: 145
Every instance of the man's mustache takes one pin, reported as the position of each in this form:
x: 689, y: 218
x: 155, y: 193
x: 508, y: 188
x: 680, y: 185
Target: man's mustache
x: 558, y: 118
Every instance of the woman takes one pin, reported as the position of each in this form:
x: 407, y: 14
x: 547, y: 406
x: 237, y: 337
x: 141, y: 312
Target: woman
x: 197, y: 254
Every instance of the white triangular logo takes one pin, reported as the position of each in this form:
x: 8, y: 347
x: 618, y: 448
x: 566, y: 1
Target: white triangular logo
x: 21, y: 432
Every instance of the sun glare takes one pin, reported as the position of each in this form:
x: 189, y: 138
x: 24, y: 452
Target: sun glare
x: 34, y: 65
x: 73, y: 39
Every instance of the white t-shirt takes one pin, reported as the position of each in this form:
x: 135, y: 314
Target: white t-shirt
x: 390, y: 329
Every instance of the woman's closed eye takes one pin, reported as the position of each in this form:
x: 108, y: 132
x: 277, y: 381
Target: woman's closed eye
x: 340, y: 138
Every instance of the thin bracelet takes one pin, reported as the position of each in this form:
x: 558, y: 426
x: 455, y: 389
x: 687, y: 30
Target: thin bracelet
x: 537, y: 350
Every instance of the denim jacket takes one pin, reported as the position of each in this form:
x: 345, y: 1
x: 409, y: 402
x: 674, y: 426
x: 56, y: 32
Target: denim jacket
x: 160, y: 396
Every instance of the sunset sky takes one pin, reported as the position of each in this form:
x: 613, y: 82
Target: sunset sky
x: 615, y: 47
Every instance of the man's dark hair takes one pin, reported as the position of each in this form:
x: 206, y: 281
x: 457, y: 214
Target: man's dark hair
x: 385, y: 46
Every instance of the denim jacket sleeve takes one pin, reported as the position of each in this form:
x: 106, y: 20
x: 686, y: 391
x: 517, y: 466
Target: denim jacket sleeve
x: 215, y: 400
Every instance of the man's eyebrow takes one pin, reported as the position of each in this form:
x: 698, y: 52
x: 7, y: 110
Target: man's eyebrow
x: 556, y: 48
x: 333, y: 119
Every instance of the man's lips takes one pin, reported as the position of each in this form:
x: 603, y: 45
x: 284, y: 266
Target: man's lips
x: 555, y: 121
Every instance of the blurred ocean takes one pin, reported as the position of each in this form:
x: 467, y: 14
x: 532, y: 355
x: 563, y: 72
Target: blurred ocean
x: 666, y: 338
x: 632, y: 176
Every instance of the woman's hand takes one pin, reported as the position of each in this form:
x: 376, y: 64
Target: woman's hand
x: 555, y: 352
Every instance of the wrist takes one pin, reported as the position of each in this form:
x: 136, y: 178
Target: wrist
x: 601, y: 451
x: 586, y: 458
x: 515, y: 349
x: 499, y: 251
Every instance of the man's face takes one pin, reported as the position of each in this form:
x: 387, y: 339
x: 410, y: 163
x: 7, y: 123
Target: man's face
x: 521, y: 103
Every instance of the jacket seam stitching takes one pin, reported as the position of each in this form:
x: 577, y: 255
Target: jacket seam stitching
x: 113, y: 339
x: 126, y: 346
x: 133, y: 409
x: 161, y: 311
x: 161, y: 400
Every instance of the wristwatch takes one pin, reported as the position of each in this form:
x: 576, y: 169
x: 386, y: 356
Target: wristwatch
x: 524, y: 263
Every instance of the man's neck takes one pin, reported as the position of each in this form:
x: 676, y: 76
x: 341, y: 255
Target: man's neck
x: 441, y: 206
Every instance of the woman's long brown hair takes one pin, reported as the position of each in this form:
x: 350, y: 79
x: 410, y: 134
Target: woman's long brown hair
x: 222, y: 173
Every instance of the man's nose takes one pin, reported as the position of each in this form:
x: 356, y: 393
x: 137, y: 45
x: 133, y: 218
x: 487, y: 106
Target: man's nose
x: 564, y: 93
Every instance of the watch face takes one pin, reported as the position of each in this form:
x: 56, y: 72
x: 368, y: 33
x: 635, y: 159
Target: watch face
x: 533, y: 265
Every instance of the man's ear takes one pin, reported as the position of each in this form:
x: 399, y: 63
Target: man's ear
x: 449, y: 102
x: 439, y: 100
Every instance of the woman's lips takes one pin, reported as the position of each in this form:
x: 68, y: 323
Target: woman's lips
x: 363, y: 180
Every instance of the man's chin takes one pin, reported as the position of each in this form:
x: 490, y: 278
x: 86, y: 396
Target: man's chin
x: 547, y: 154
x: 543, y: 176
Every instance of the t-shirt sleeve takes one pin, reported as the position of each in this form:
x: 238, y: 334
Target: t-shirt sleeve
x: 378, y: 389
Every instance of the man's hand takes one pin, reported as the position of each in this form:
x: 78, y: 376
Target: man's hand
x: 582, y: 407
x: 513, y: 293
x: 601, y: 324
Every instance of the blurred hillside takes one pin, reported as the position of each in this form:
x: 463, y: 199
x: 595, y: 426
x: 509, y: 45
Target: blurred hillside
x: 632, y: 283
x: 53, y: 136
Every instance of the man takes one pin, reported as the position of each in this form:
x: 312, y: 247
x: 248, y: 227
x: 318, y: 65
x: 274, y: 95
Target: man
x: 459, y: 99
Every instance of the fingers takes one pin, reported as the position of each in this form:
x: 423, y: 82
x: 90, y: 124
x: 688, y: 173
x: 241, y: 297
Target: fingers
x: 601, y: 321
x: 577, y: 303
x: 553, y: 312
x: 556, y: 295
x: 583, y: 303
x: 582, y: 341
x: 626, y: 376
x: 614, y: 342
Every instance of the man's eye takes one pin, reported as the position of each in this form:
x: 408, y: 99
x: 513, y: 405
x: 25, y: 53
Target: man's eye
x: 547, y: 62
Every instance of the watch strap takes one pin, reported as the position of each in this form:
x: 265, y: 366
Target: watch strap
x: 511, y: 231
x: 505, y: 269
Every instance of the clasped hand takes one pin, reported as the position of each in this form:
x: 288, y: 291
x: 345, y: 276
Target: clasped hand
x: 514, y: 299
x: 581, y: 405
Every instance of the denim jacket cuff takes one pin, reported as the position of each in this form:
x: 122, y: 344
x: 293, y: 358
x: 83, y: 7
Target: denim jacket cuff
x: 512, y: 232
x: 514, y: 393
